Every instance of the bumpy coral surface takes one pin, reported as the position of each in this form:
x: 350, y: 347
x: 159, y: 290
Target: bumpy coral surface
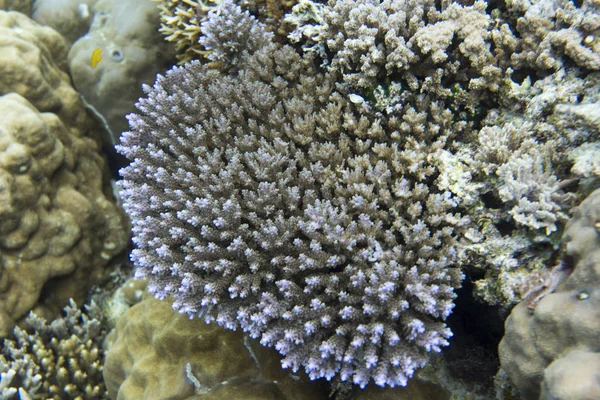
x: 269, y: 200
x: 156, y: 353
x: 59, y: 224
x: 543, y: 335
x: 58, y: 360
x: 23, y: 6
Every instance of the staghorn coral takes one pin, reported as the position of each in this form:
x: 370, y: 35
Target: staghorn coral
x: 228, y: 39
x: 392, y: 55
x: 527, y: 182
x: 180, y: 23
x: 553, y: 33
x: 272, y: 14
x: 326, y: 209
x: 410, y: 43
x: 269, y: 200
x: 63, y: 359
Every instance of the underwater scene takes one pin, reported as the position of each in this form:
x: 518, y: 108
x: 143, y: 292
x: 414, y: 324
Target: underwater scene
x: 300, y: 199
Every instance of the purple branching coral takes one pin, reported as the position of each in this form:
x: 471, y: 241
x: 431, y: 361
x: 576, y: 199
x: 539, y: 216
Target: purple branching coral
x: 267, y: 199
x: 324, y: 197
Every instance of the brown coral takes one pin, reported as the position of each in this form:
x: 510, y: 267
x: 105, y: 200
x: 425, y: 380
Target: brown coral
x: 59, y: 224
x: 156, y: 353
x: 539, y: 343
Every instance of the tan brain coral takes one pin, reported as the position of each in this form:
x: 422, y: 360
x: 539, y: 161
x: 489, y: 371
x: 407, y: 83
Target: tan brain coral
x: 59, y: 222
x: 156, y: 353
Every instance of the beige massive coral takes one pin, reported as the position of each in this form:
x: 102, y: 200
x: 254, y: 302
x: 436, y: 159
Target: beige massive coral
x: 550, y: 347
x: 156, y: 353
x: 60, y: 226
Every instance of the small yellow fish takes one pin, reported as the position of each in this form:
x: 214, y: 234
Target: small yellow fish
x: 96, y: 57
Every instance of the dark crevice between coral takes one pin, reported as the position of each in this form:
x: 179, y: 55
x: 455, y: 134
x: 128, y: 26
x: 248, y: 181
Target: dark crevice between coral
x: 491, y: 201
x: 519, y: 75
x: 472, y: 357
x: 495, y: 4
x: 578, y: 3
x: 506, y: 228
x: 115, y: 161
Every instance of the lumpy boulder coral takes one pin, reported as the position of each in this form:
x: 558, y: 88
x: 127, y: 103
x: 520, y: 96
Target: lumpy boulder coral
x: 156, y: 353
x: 547, y: 334
x: 60, y: 226
x: 270, y: 201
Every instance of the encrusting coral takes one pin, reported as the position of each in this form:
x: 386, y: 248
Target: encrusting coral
x: 58, y: 360
x: 156, y: 353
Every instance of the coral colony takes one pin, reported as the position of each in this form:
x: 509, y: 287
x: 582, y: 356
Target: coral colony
x: 324, y: 198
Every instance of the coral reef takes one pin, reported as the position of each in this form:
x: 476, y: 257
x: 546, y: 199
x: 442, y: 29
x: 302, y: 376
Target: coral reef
x: 156, y: 353
x: 542, y: 122
x: 60, y: 227
x: 390, y: 54
x: 60, y: 360
x: 547, y: 341
x: 269, y: 200
x: 325, y: 197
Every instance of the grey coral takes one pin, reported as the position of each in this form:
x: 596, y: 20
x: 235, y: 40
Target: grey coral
x: 268, y: 200
x: 410, y: 41
x: 227, y: 39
